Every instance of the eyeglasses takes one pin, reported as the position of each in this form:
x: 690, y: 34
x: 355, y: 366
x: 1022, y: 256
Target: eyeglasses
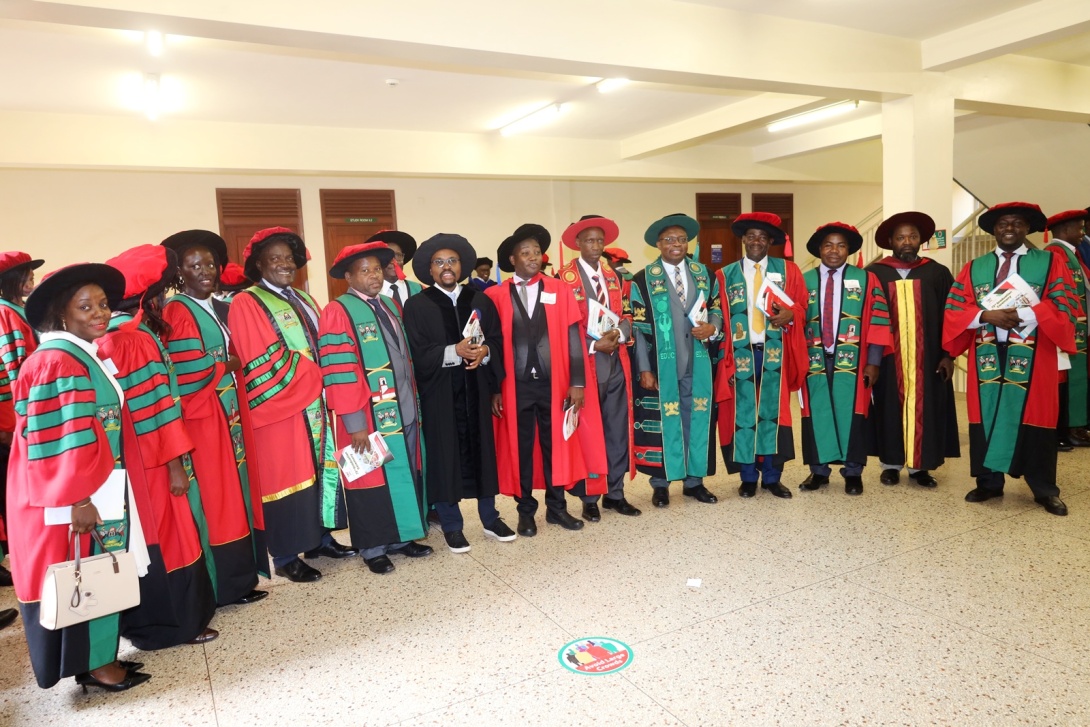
x: 672, y: 240
x: 446, y: 262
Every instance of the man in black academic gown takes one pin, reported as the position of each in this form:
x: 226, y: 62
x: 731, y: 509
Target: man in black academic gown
x: 456, y: 378
x: 913, y: 419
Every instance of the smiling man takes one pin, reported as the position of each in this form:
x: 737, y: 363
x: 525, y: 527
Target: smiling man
x: 675, y: 318
x: 914, y: 419
x: 847, y: 330
x: 1013, y: 390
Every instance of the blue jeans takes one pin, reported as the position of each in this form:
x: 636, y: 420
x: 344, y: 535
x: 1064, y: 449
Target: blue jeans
x: 767, y: 469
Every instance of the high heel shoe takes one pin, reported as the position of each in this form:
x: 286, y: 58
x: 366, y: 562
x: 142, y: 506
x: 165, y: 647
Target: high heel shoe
x: 132, y: 679
x: 130, y: 665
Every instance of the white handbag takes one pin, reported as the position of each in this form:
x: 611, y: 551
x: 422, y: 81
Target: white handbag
x: 87, y: 588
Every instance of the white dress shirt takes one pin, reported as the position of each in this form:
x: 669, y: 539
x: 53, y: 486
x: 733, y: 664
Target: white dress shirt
x: 531, y: 293
x: 749, y: 270
x: 402, y: 289
x: 671, y: 276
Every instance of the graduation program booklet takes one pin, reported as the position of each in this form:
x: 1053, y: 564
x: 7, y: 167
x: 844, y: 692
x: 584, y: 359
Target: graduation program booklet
x: 473, y: 330
x: 600, y: 320
x: 770, y: 296
x: 355, y: 464
x: 109, y: 500
x: 698, y: 314
x: 1014, y: 292
x: 571, y: 419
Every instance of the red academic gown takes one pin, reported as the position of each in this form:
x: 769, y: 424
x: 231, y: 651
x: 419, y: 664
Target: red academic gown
x: 176, y: 599
x: 569, y: 465
x: 17, y: 341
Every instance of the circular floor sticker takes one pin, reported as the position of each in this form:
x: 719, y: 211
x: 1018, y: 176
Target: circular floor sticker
x: 595, y: 655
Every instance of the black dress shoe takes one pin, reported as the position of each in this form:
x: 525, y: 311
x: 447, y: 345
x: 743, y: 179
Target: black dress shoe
x: 204, y: 637
x: 1064, y: 445
x: 132, y: 679
x: 1052, y: 504
x: 331, y: 550
x: 564, y: 519
x: 890, y: 477
x: 252, y: 597
x: 7, y: 617
x: 411, y: 549
x: 622, y: 506
x: 527, y: 527
x: 299, y: 572
x: 980, y: 495
x: 747, y: 489
x: 853, y: 485
x: 923, y: 478
x: 777, y: 489
x: 591, y: 512
x: 5, y: 577
x: 1079, y: 437
x: 701, y: 493
x: 813, y: 482
x: 380, y: 564
x: 661, y: 497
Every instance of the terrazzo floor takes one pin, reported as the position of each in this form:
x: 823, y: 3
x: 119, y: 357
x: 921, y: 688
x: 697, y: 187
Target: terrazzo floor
x: 904, y: 606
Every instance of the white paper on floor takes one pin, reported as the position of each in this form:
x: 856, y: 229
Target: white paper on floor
x: 694, y: 583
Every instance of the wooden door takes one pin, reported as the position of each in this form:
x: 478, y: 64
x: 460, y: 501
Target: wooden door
x: 349, y: 217
x: 243, y: 212
x: 784, y: 206
x: 715, y: 212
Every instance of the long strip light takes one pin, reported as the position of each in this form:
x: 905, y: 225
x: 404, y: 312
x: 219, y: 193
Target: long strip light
x: 810, y: 117
x: 531, y: 121
x: 611, y: 84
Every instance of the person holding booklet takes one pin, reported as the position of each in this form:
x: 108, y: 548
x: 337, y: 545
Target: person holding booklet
x: 1013, y: 389
x: 675, y: 319
x: 368, y: 372
x: 454, y: 335
x: 765, y: 298
x: 544, y: 375
x: 598, y: 290
x: 847, y: 333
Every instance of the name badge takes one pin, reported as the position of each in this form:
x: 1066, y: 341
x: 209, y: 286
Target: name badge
x: 852, y: 285
x: 548, y: 298
x: 110, y: 365
x: 775, y: 277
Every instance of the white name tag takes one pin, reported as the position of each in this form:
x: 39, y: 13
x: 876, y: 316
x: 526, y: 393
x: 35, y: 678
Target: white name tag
x: 775, y: 277
x: 852, y: 285
x: 548, y: 298
x: 110, y: 365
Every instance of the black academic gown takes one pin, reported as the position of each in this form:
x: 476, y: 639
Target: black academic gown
x: 455, y: 404
x: 934, y: 418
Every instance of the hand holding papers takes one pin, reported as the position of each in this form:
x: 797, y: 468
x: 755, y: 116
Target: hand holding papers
x: 698, y: 314
x: 355, y: 464
x: 1014, y: 292
x: 472, y: 329
x: 571, y: 419
x: 109, y: 500
x: 771, y: 299
x: 600, y: 320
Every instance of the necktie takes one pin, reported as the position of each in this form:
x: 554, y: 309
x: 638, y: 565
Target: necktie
x: 679, y: 284
x: 828, y: 338
x: 524, y: 296
x: 758, y: 314
x: 296, y: 304
x: 384, y: 321
x: 396, y: 294
x: 598, y: 289
x: 1005, y: 268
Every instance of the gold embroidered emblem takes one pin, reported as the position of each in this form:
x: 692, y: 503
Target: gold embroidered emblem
x: 671, y: 408
x: 700, y: 404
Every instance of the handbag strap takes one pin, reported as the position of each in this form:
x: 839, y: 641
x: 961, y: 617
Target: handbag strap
x: 77, y: 592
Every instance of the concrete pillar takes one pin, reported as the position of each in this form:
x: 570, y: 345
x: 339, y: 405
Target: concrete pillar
x: 918, y: 161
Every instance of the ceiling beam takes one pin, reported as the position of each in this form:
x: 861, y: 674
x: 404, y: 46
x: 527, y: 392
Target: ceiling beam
x: 847, y: 132
x: 1009, y: 32
x: 1026, y: 87
x: 699, y: 128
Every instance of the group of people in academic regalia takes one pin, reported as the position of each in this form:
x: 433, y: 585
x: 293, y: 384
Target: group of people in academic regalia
x: 248, y: 424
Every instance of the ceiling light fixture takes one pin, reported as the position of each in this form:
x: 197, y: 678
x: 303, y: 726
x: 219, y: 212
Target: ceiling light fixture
x: 810, y: 117
x: 611, y: 84
x: 538, y: 118
x: 154, y: 41
x: 152, y: 96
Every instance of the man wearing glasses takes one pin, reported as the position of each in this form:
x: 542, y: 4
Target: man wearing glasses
x: 456, y: 374
x: 675, y: 316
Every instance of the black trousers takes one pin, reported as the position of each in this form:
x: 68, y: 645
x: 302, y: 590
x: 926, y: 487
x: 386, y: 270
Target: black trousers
x: 533, y: 412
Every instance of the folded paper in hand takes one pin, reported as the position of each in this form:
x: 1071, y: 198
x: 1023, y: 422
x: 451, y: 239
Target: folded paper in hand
x: 571, y: 421
x: 355, y: 464
x: 600, y: 320
x: 1014, y: 292
x: 770, y: 298
x: 698, y: 314
x: 473, y: 330
x: 109, y: 500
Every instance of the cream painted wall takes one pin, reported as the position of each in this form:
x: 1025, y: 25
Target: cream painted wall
x: 67, y: 216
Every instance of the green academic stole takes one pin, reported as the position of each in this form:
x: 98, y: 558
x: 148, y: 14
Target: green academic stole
x: 289, y: 329
x: 1003, y: 397
x: 831, y: 439
x: 385, y: 410
x: 676, y: 464
x: 102, y: 632
x: 1077, y: 384
x: 215, y: 345
x: 757, y: 411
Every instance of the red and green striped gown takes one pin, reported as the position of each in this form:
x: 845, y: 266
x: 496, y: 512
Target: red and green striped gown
x: 17, y: 341
x: 176, y: 599
x: 226, y: 505
x: 68, y: 424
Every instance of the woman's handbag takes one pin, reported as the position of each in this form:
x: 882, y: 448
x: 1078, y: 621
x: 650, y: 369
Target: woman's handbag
x: 87, y: 588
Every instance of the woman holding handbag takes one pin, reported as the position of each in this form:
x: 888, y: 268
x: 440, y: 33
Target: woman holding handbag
x: 67, y: 444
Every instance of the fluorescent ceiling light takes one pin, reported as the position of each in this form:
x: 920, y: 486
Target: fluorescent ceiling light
x: 611, y: 84
x: 154, y: 41
x: 810, y: 117
x: 152, y: 97
x: 534, y: 120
